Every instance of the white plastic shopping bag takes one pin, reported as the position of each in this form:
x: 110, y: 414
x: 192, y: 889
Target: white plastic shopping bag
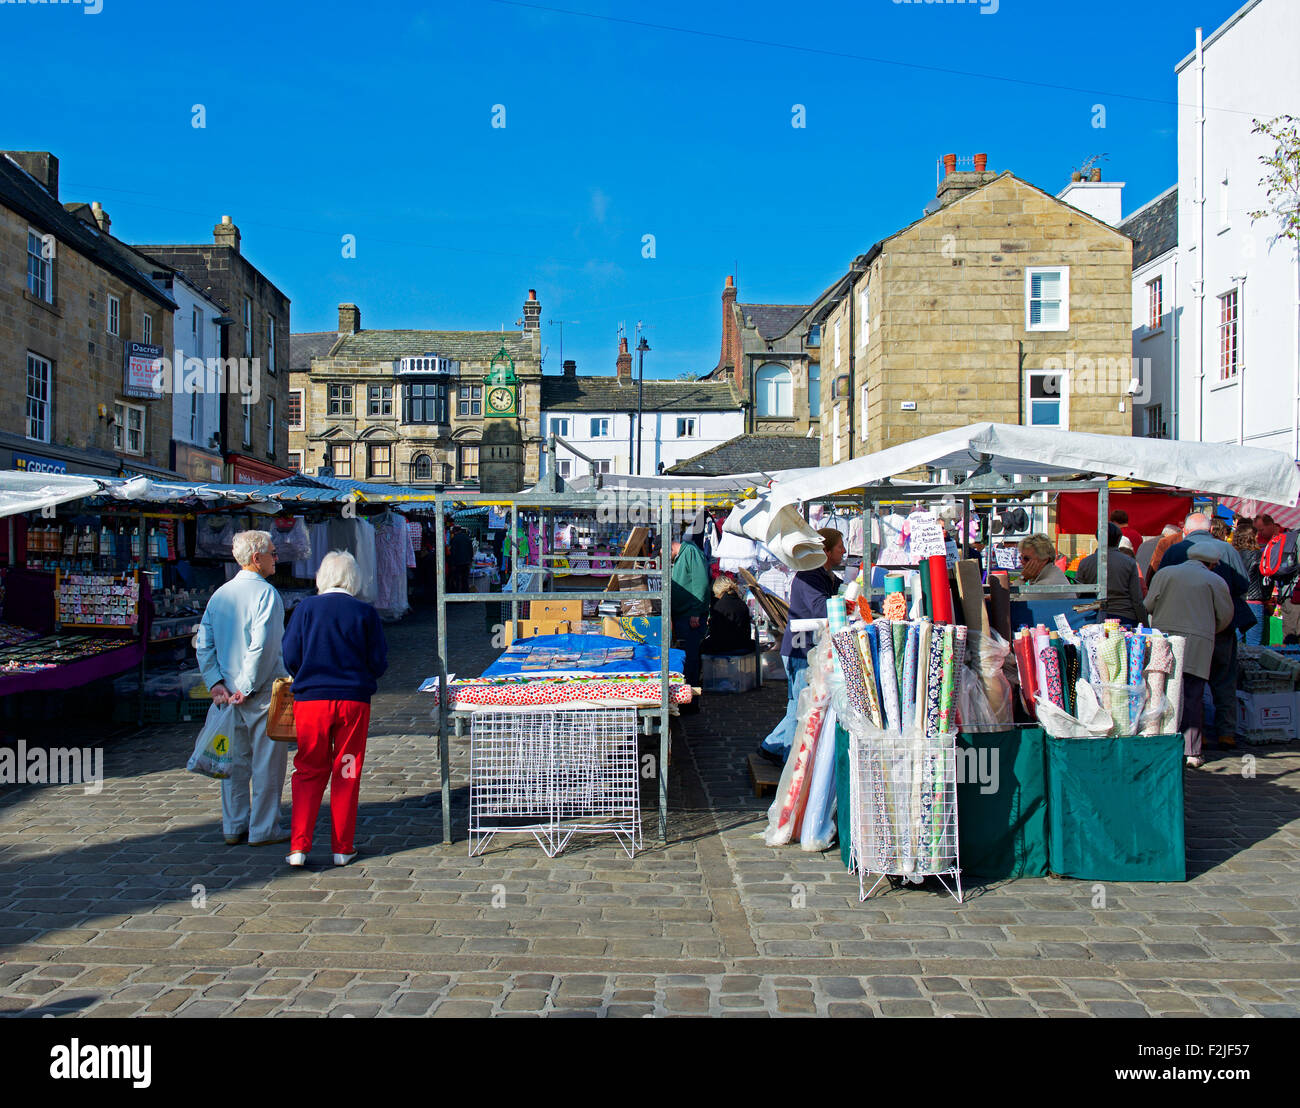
x: 211, y: 755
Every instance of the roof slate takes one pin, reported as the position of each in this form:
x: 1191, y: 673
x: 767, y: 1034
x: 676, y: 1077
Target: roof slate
x: 752, y: 454
x: 1153, y: 229
x: 605, y: 394
x: 461, y: 345
x: 310, y: 344
x: 22, y: 193
x: 772, y: 320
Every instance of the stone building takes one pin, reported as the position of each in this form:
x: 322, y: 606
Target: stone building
x: 771, y: 354
x: 251, y: 436
x: 1000, y: 303
x: 73, y: 300
x: 408, y: 407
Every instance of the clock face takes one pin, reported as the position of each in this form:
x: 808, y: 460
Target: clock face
x: 500, y: 399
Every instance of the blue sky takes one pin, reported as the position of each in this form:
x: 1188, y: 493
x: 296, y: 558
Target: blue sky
x: 375, y: 120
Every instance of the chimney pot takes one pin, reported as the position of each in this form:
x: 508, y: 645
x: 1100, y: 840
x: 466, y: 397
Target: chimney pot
x: 949, y: 164
x: 981, y: 163
x: 349, y: 319
x: 731, y: 281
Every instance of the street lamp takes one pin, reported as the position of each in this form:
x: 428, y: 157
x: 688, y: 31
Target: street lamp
x: 641, y: 348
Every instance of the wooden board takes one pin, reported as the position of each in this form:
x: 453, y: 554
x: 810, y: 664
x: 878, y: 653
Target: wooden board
x: 764, y: 774
x: 633, y: 548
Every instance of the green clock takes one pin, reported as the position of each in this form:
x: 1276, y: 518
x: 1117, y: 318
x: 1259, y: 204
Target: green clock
x: 501, y: 400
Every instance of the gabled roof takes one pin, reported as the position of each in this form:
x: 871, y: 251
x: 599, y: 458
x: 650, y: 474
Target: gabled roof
x: 605, y: 394
x: 310, y: 344
x: 20, y: 192
x: 752, y: 454
x: 383, y: 346
x: 1153, y: 228
x: 771, y: 320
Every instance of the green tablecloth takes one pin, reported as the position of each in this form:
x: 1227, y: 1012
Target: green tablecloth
x: 1116, y: 808
x: 1002, y: 803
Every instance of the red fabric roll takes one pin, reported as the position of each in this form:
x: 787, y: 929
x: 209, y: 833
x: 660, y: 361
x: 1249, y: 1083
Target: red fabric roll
x: 940, y: 590
x: 1024, y: 651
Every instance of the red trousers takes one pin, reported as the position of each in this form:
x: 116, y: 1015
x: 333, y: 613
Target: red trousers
x: 331, y: 749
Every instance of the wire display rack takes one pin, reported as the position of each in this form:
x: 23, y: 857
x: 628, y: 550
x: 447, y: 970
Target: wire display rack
x: 552, y: 774
x: 904, y: 817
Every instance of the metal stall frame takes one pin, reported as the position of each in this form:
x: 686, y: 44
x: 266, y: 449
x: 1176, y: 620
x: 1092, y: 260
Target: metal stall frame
x: 546, y: 501
x: 980, y: 487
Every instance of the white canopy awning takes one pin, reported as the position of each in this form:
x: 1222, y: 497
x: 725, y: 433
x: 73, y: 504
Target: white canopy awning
x: 30, y: 492
x: 1243, y: 471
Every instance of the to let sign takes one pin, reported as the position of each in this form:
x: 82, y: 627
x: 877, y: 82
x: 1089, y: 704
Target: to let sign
x: 141, y: 370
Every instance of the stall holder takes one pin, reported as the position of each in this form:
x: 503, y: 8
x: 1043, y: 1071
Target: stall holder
x: 546, y: 502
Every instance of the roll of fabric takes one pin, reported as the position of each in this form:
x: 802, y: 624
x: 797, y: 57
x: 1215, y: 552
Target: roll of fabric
x: 1000, y: 603
x: 958, y: 672
x: 888, y: 676
x: 837, y: 613
x: 894, y: 583
x: 934, y: 683
x: 872, y: 633
x: 940, y: 589
x: 927, y: 597
x: 922, y: 675
x: 1070, y: 674
x: 907, y: 692
x: 863, y: 644
x: 1174, y: 687
x: 855, y: 688
x: 900, y: 649
x: 948, y: 681
x: 1133, y: 678
x: 1052, y: 690
x: 1023, y: 648
x: 1158, y: 668
x: 1113, y: 659
x: 970, y: 589
x: 1041, y: 640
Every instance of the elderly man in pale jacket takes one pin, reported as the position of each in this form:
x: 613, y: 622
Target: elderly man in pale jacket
x: 238, y: 648
x: 1191, y: 601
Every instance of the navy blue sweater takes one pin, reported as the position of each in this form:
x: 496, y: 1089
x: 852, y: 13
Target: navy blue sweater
x: 335, y: 648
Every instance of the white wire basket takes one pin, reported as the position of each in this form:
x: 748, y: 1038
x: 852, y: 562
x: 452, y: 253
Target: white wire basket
x: 904, y: 816
x: 554, y: 773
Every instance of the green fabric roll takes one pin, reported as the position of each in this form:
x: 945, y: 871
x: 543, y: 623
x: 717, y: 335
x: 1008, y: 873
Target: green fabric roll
x: 843, y: 809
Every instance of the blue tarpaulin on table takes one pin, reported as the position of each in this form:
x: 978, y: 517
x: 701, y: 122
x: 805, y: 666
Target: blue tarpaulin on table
x: 645, y: 659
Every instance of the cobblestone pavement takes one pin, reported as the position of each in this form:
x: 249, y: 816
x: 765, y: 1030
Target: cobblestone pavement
x: 128, y: 903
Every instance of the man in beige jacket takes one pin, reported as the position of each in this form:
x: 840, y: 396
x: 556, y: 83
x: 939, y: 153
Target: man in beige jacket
x: 1191, y: 601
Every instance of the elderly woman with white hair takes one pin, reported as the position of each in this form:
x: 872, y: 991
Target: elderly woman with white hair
x: 336, y: 651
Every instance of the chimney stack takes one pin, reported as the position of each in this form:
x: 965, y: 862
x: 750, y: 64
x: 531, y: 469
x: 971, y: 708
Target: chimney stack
x: 729, y: 359
x: 101, y: 216
x: 226, y: 233
x: 532, y: 312
x: 42, y: 165
x: 956, y: 183
x: 623, y: 365
x: 570, y: 368
x: 349, y: 319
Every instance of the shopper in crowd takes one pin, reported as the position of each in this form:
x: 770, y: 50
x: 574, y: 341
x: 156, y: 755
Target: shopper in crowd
x: 809, y: 591
x: 238, y: 648
x: 426, y: 570
x: 1223, y: 667
x: 336, y: 651
x: 1168, y: 537
x: 1188, y: 599
x: 1246, y: 544
x: 730, y: 628
x: 1119, y: 517
x: 1278, y: 589
x: 460, y: 556
x: 1123, y: 599
x: 1038, y: 562
x: 690, y: 605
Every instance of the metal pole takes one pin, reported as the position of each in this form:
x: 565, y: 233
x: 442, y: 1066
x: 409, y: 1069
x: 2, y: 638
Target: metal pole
x: 665, y: 643
x: 1103, y: 529
x: 640, y: 395
x: 444, y: 701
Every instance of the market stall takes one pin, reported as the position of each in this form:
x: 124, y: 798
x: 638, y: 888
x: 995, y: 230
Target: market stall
x: 933, y: 666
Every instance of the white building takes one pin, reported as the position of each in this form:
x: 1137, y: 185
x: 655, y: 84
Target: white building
x: 1238, y: 291
x: 196, y: 412
x: 1157, y: 315
x: 598, y: 415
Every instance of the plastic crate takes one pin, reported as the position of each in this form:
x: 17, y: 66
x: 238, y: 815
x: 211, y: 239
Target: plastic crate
x: 728, y: 673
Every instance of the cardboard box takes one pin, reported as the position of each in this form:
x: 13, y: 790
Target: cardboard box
x: 543, y: 610
x: 528, y: 628
x: 612, y: 627
x: 1267, y: 715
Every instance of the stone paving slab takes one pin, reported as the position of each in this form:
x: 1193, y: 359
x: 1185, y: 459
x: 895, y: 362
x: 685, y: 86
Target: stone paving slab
x: 128, y: 903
